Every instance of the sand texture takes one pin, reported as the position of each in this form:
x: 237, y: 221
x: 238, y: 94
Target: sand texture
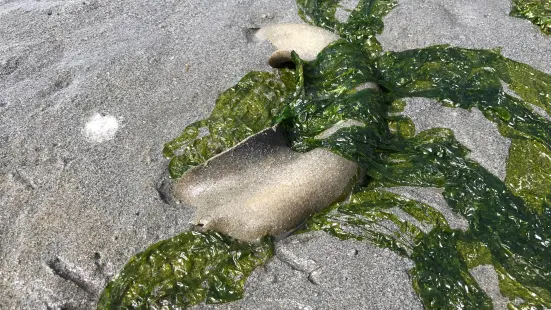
x: 89, y: 92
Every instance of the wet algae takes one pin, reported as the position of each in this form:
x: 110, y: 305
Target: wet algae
x: 185, y: 270
x: 509, y: 222
x: 240, y: 111
x: 536, y: 11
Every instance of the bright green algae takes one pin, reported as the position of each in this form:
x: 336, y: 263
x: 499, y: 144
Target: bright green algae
x: 509, y: 222
x: 364, y: 22
x: 529, y: 173
x: 536, y: 11
x: 240, y: 111
x: 185, y: 270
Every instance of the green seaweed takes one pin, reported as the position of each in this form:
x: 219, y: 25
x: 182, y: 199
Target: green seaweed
x: 364, y: 22
x: 509, y: 222
x: 462, y: 78
x: 240, y: 111
x: 501, y: 221
x: 536, y: 11
x: 184, y: 270
x: 441, y: 277
x: 474, y: 253
x: 529, y: 173
x: 368, y: 216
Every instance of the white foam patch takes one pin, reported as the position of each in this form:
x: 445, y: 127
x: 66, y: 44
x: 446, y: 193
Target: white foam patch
x: 101, y: 128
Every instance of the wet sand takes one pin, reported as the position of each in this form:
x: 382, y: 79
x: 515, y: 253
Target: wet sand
x: 75, y: 207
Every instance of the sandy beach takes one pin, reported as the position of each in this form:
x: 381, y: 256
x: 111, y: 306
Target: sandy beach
x: 91, y: 90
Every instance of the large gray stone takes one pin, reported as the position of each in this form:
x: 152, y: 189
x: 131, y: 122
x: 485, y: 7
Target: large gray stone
x: 262, y: 187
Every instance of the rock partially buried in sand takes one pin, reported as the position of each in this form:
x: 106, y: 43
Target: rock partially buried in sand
x: 262, y: 187
x: 307, y: 41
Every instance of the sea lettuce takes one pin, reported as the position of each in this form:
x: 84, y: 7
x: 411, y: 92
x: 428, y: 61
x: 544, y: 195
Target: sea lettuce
x: 536, y: 11
x: 184, y: 270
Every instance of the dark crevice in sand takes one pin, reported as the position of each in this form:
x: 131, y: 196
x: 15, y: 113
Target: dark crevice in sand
x: 164, y: 189
x: 61, y: 270
x: 312, y: 276
x: 10, y: 66
x: 162, y: 195
x: 249, y: 33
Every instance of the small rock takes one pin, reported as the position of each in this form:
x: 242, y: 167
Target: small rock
x: 307, y: 41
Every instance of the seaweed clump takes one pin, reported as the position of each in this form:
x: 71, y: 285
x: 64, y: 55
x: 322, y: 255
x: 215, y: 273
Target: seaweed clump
x: 185, y: 270
x: 536, y: 11
x: 509, y: 222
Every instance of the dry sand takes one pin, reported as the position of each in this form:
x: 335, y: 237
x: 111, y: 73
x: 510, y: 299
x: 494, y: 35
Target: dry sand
x: 78, y: 199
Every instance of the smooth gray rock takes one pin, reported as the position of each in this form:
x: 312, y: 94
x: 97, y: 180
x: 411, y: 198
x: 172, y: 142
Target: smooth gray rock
x: 262, y: 187
x: 306, y: 40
